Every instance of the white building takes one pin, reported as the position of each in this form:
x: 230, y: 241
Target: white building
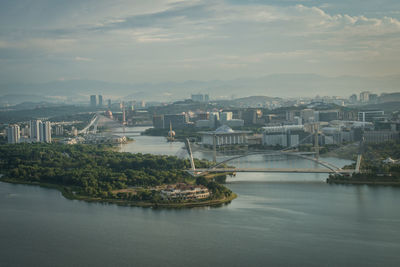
x: 224, y: 136
x: 13, y: 134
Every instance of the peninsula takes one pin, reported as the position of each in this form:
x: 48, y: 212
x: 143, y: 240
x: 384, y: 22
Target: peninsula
x: 95, y: 173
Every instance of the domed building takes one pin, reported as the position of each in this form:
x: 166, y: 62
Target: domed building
x: 224, y: 136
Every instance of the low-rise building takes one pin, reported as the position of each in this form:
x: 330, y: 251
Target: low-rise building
x: 185, y: 192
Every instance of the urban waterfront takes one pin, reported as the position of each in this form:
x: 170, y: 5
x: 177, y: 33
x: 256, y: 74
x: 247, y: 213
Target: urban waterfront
x: 277, y: 219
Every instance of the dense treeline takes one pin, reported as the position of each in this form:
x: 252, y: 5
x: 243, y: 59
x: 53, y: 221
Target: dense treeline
x: 374, y: 154
x: 374, y: 169
x: 88, y: 169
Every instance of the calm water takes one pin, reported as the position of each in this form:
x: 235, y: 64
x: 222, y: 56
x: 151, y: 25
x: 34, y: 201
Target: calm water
x: 277, y: 220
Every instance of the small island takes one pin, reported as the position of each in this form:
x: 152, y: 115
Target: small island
x: 97, y: 173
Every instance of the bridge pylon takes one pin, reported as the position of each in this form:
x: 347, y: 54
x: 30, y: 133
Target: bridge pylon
x: 316, y: 140
x: 189, y: 150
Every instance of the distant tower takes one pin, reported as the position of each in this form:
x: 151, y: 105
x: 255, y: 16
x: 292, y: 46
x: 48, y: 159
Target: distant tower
x: 109, y: 103
x: 171, y: 133
x: 100, y: 100
x: 93, y: 101
x: 13, y: 134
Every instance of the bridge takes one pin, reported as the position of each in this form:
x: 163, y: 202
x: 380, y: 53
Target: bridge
x: 329, y: 168
x: 280, y: 170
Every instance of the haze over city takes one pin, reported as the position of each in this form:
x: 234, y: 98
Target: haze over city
x: 273, y: 48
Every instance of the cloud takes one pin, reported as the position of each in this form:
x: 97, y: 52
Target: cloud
x: 205, y: 39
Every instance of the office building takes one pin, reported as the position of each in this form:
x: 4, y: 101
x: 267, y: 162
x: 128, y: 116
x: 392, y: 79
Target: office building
x: 109, y: 103
x: 370, y: 116
x: 13, y: 134
x: 284, y: 136
x: 251, y: 116
x: 93, y: 102
x: 381, y: 136
x: 327, y: 115
x: 100, y: 100
x: 177, y: 120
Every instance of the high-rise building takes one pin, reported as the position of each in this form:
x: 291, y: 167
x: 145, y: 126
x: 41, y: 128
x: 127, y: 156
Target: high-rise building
x: 109, y: 103
x: 59, y: 130
x: 25, y: 131
x: 45, y: 131
x: 93, y: 101
x: 13, y: 134
x: 100, y: 100
x: 206, y: 98
x: 353, y: 98
x: 35, y: 130
x: 364, y: 96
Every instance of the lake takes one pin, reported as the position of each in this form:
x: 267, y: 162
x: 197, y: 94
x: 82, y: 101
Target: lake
x: 277, y: 220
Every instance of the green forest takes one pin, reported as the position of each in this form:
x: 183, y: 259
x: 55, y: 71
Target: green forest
x: 95, y: 171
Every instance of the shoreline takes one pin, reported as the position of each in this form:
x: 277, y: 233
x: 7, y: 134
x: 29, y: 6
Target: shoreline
x: 362, y: 182
x: 68, y: 194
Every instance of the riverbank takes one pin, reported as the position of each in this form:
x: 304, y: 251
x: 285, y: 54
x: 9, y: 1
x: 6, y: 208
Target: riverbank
x: 68, y: 193
x: 384, y: 181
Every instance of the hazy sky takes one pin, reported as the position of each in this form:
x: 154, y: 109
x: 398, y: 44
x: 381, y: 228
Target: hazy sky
x: 153, y: 41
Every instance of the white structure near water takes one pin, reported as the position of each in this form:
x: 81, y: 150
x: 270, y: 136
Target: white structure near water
x: 224, y: 136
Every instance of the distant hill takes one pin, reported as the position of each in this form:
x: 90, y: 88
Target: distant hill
x: 277, y: 85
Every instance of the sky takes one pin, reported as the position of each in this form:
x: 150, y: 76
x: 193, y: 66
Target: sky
x: 141, y: 41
